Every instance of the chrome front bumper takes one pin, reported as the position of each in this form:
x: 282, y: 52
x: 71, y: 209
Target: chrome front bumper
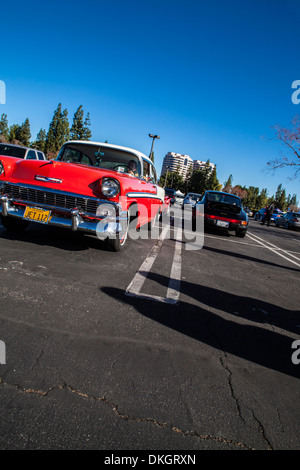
x: 73, y: 219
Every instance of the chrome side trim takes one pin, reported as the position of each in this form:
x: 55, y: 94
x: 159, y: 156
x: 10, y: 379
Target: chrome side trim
x: 144, y: 195
x: 46, y: 179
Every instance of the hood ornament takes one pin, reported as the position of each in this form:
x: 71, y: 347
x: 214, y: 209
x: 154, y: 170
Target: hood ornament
x: 46, y: 179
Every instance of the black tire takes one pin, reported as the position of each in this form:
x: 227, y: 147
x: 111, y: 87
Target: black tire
x: 240, y: 233
x: 151, y: 224
x: 118, y: 242
x: 13, y: 224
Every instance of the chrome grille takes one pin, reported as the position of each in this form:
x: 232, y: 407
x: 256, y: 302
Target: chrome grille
x: 53, y: 199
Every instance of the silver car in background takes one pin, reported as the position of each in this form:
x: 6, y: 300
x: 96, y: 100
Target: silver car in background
x: 289, y: 220
x: 190, y: 200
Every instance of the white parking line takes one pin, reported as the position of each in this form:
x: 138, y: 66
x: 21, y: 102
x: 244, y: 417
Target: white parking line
x: 280, y: 249
x: 173, y: 291
x: 275, y: 249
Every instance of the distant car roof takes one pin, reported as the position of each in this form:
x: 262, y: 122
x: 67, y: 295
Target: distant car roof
x: 18, y: 146
x: 105, y: 144
x: 222, y: 192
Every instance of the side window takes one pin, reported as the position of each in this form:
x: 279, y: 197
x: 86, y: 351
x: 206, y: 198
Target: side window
x: 70, y: 155
x: 31, y: 155
x: 146, y: 170
x: 40, y: 155
x: 153, y: 176
x: 86, y: 160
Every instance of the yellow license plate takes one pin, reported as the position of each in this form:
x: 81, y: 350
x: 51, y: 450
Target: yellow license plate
x: 36, y: 215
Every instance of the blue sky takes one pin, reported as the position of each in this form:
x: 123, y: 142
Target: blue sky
x: 211, y: 78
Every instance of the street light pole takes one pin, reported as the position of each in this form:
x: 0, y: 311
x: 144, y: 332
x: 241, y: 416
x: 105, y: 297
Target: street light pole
x: 166, y: 177
x: 153, y: 137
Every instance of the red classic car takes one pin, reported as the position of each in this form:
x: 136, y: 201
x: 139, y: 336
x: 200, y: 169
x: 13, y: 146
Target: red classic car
x: 93, y: 187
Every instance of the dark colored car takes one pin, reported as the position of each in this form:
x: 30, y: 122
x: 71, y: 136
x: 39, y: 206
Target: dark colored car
x: 289, y: 220
x: 259, y: 215
x: 170, y: 194
x: 223, y: 211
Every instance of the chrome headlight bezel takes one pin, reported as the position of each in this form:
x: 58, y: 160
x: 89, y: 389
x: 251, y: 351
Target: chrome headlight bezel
x: 106, y: 210
x: 110, y: 187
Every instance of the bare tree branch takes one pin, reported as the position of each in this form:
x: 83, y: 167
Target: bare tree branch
x: 290, y: 139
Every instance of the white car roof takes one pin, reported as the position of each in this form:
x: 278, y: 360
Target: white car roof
x: 105, y: 144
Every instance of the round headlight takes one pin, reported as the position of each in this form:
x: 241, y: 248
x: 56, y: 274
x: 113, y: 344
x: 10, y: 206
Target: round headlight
x: 1, y: 168
x: 110, y: 187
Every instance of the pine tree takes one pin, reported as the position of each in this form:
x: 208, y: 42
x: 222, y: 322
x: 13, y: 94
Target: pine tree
x: 212, y: 182
x: 23, y: 133
x: 280, y: 197
x: 197, y: 182
x: 262, y: 198
x: 40, y: 142
x: 228, y: 185
x: 58, y: 132
x: 13, y: 131
x: 80, y: 129
x: 87, y: 124
x: 4, y: 130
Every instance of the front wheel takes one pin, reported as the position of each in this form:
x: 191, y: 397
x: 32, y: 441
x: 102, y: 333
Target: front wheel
x: 13, y: 224
x: 118, y: 242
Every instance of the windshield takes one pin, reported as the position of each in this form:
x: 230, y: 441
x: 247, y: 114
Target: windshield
x: 12, y: 151
x: 170, y: 192
x: 224, y: 198
x: 194, y: 197
x: 101, y: 157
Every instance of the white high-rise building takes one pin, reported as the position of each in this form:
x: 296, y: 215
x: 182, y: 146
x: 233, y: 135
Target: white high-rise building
x: 200, y: 165
x: 182, y: 163
x: 177, y: 162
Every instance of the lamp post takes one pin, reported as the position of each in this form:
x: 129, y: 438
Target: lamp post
x: 153, y: 137
x: 166, y: 177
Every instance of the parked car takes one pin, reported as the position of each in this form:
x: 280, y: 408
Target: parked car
x: 260, y: 214
x: 289, y: 220
x: 248, y: 211
x: 19, y: 151
x: 88, y: 188
x: 276, y: 214
x: 223, y: 211
x: 190, y: 200
x: 171, y: 195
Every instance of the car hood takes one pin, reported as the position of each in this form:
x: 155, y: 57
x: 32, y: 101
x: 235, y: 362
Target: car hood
x: 223, y: 207
x: 62, y: 176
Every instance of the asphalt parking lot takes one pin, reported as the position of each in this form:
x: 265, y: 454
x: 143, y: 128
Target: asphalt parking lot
x: 155, y: 347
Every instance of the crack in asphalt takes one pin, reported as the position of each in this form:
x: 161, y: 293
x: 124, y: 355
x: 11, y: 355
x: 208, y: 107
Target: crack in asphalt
x: 230, y: 384
x: 115, y: 409
x: 261, y: 428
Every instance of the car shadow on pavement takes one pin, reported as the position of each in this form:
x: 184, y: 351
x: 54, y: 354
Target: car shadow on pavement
x: 249, y: 258
x: 244, y: 333
x: 56, y: 237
